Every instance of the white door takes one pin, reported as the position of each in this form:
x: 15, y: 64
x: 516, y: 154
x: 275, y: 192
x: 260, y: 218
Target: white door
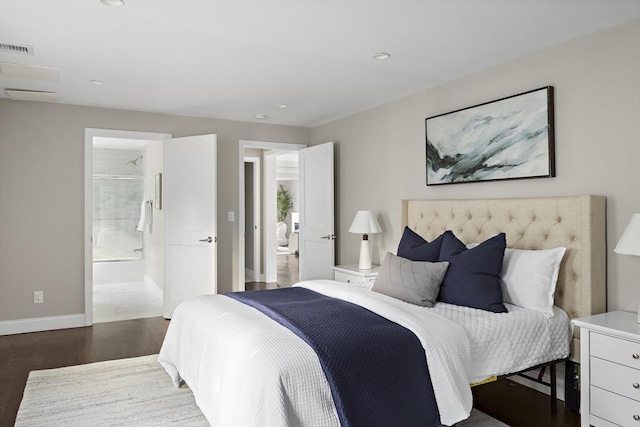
x: 317, y: 238
x: 189, y: 204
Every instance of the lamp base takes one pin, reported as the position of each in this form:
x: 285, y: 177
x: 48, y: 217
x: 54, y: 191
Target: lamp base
x: 365, y: 256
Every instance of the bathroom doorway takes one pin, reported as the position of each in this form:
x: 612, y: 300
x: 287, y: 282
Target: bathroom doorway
x: 124, y: 254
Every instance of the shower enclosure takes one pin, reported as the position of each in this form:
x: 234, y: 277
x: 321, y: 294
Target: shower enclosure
x: 118, y: 192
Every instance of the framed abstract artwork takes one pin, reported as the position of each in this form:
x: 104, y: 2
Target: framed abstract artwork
x: 510, y: 138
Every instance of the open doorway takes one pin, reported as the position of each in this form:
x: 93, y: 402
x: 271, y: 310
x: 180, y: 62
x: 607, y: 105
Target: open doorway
x: 316, y: 237
x: 287, y: 219
x: 268, y: 246
x: 123, y: 228
x: 271, y: 198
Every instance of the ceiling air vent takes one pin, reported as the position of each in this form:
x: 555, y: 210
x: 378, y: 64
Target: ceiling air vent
x: 16, y: 48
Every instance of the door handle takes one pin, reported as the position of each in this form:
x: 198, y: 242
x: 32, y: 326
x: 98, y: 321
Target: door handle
x: 330, y: 237
x: 208, y: 240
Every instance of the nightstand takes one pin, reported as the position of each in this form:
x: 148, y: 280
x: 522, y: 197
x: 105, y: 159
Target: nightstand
x: 609, y: 369
x: 352, y: 274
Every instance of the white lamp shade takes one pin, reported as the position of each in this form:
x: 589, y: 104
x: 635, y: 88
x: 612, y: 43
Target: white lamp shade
x: 365, y: 223
x: 629, y: 243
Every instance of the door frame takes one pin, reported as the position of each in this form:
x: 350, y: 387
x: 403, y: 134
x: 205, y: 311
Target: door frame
x: 264, y: 145
x: 89, y: 134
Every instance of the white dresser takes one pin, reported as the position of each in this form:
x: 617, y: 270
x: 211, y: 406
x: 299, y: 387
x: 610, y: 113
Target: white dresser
x: 609, y: 369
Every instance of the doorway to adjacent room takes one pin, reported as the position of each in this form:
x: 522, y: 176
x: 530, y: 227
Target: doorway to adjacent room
x: 264, y: 171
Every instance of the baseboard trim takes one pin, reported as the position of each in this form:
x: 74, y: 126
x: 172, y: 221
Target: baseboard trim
x: 153, y: 286
x: 37, y: 324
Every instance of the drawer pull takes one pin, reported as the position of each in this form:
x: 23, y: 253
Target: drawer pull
x: 636, y: 356
x: 636, y: 417
x: 636, y: 385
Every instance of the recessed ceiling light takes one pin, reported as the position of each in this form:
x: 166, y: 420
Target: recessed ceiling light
x: 260, y: 116
x: 381, y: 56
x: 282, y: 105
x: 116, y: 3
x: 96, y: 82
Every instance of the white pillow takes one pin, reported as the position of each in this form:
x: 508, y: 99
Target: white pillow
x: 529, y: 278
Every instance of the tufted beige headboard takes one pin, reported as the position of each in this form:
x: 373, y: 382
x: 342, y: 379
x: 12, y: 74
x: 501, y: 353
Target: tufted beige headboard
x: 577, y: 223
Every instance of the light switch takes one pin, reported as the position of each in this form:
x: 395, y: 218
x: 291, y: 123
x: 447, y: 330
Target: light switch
x: 232, y: 216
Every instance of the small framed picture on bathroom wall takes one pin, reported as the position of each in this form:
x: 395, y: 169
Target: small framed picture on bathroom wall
x: 158, y: 200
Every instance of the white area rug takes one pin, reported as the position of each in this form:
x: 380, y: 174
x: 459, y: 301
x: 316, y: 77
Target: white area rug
x: 127, y: 392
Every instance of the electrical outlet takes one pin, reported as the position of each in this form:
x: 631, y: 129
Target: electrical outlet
x: 38, y: 297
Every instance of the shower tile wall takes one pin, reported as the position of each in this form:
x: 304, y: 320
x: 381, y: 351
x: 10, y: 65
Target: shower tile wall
x: 118, y: 191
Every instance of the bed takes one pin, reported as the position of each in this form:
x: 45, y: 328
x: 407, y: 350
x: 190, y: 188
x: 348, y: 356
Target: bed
x: 246, y: 369
x: 575, y: 222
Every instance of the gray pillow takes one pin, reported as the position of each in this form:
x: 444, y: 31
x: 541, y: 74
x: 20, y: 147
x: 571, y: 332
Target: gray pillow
x: 416, y: 282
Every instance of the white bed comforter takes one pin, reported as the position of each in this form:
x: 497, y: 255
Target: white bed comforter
x: 510, y: 342
x: 247, y: 370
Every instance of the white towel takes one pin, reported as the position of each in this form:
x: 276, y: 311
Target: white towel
x: 146, y: 214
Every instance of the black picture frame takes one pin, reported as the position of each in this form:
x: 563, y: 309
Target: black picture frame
x: 508, y: 138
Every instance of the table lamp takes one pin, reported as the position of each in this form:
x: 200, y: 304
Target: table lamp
x: 629, y: 243
x: 365, y: 223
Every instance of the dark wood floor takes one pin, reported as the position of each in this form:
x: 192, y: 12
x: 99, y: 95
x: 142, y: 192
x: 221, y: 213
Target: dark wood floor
x: 520, y: 406
x: 509, y: 402
x: 22, y: 353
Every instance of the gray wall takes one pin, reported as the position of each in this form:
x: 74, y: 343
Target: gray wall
x: 249, y: 213
x: 381, y: 152
x: 42, y: 192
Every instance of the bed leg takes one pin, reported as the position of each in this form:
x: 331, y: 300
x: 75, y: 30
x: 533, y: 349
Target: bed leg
x: 554, y: 398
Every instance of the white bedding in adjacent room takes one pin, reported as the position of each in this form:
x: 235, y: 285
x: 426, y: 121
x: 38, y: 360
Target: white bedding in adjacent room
x: 246, y: 369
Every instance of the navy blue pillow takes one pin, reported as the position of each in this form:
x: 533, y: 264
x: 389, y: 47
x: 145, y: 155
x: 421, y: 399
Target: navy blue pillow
x: 473, y: 277
x: 412, y: 246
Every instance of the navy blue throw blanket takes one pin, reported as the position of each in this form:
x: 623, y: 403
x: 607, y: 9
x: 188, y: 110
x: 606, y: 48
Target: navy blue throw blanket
x: 376, y: 369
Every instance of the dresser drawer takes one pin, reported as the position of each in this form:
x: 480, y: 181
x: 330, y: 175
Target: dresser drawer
x: 615, y: 349
x: 614, y: 408
x: 616, y: 378
x: 347, y: 278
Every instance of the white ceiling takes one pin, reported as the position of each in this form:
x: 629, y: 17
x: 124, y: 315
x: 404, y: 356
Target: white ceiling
x: 235, y: 59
